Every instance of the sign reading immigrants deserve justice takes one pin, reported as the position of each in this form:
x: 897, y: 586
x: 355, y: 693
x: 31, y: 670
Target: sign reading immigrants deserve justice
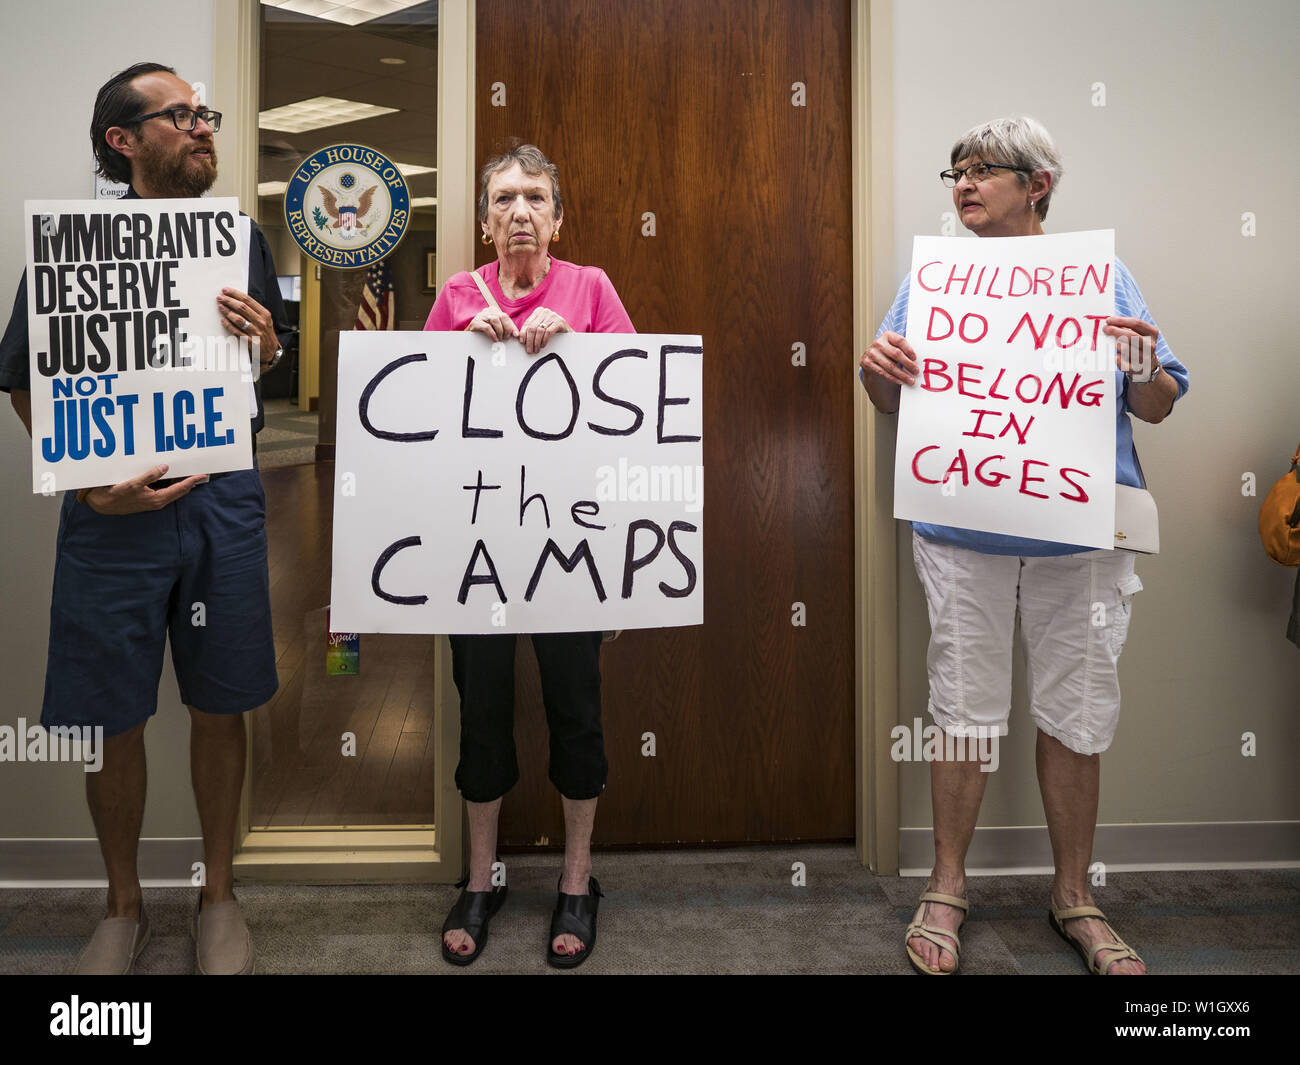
x: 130, y: 365
x: 479, y: 489
x: 1010, y: 426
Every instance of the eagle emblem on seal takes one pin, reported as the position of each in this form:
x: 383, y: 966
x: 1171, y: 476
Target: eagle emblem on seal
x: 346, y: 213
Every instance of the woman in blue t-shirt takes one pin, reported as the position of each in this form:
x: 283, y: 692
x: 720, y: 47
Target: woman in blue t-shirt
x: 1003, y: 176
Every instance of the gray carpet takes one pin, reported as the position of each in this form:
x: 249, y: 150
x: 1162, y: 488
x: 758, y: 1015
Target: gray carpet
x: 289, y: 436
x: 699, y: 911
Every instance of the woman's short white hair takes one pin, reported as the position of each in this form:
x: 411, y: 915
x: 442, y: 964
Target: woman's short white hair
x: 1018, y: 141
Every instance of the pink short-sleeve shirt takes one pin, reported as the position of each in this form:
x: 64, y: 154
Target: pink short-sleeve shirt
x: 583, y: 296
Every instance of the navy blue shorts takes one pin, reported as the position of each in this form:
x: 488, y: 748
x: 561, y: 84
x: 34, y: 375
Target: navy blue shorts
x: 195, y: 570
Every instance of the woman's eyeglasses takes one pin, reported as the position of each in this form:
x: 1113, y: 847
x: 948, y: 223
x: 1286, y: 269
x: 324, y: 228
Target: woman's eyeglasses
x: 977, y: 172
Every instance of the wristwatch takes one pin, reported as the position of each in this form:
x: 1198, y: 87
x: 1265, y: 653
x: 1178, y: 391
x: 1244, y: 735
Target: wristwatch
x: 1156, y: 371
x: 275, y: 360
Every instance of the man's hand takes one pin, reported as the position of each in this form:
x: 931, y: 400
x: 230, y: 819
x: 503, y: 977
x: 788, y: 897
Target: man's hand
x: 244, y: 317
x: 540, y: 326
x: 135, y: 495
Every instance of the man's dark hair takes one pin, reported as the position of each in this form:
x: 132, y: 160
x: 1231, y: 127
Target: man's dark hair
x: 117, y: 103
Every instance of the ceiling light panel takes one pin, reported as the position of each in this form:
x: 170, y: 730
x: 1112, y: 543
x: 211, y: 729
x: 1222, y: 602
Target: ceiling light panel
x: 317, y: 113
x: 347, y: 12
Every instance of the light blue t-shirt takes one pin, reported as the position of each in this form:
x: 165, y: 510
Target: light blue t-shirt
x: 1128, y: 304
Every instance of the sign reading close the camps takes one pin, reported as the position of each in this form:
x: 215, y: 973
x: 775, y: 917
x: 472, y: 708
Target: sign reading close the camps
x: 480, y: 489
x: 1010, y: 426
x: 130, y: 365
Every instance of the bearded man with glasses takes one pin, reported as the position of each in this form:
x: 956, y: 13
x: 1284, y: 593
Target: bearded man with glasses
x: 132, y: 559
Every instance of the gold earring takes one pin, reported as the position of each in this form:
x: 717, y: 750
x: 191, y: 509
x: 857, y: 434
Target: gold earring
x: 555, y: 237
x: 486, y: 239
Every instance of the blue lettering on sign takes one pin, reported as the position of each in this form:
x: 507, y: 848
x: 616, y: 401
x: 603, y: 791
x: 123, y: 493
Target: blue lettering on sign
x: 82, y: 425
x: 183, y: 431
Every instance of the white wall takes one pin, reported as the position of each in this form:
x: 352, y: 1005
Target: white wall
x: 1199, y: 126
x: 59, y: 53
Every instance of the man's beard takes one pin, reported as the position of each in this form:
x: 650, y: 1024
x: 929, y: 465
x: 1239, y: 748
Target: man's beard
x: 177, y: 174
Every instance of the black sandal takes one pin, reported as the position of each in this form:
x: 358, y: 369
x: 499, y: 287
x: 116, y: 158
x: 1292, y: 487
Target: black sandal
x: 574, y: 915
x: 472, y: 913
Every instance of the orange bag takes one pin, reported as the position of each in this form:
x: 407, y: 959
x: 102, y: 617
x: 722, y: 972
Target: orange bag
x: 1279, y: 517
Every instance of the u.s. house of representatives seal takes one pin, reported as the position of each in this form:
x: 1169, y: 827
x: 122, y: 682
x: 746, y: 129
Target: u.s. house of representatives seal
x: 347, y: 206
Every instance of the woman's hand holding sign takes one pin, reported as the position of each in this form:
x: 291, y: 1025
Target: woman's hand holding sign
x: 537, y: 331
x: 888, y: 364
x: 244, y: 317
x: 493, y: 324
x: 540, y: 326
x: 1135, y: 353
x: 135, y: 495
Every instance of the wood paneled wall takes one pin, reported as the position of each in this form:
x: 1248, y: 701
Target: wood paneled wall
x: 690, y: 109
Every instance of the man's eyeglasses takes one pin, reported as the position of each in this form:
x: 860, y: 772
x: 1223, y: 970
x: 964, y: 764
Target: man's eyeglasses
x: 185, y: 119
x: 977, y: 172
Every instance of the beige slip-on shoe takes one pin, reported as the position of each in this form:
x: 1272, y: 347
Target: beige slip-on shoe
x: 115, y: 946
x: 222, y: 943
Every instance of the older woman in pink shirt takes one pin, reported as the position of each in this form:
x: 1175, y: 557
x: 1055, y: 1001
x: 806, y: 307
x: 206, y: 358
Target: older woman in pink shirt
x: 529, y: 296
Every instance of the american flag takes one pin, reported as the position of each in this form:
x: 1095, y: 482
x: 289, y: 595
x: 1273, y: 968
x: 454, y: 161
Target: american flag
x: 378, y: 308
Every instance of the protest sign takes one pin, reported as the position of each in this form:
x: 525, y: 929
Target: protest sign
x: 1010, y: 426
x: 479, y: 489
x: 130, y: 365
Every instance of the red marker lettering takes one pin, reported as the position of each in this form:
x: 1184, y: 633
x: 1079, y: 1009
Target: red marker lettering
x: 1039, y: 338
x: 921, y: 280
x: 978, y: 421
x: 1025, y: 479
x: 934, y: 368
x: 1082, y: 497
x: 930, y: 333
x: 915, y: 458
x: 993, y: 479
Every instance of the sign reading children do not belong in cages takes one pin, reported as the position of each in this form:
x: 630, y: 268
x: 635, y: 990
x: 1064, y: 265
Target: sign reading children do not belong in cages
x: 479, y: 489
x: 1010, y: 427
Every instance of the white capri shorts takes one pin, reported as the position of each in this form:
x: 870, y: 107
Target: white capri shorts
x: 1074, y: 617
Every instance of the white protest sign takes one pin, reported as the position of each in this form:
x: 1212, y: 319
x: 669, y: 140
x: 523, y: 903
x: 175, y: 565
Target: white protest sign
x: 130, y: 365
x: 479, y: 489
x: 1010, y: 426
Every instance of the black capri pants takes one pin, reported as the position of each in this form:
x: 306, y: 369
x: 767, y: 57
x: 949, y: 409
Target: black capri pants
x: 483, y: 667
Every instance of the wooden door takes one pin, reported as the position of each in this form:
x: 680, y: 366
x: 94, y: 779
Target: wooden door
x: 729, y: 122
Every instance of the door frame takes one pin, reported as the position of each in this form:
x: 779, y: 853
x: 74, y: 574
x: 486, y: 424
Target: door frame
x: 419, y: 853
x: 876, y: 545
x: 436, y: 854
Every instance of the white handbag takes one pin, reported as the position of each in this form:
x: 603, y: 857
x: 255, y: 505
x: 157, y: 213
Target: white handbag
x: 1137, y: 523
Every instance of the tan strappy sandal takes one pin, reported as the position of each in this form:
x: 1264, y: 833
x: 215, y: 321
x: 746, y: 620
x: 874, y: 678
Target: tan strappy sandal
x: 940, y: 937
x: 1057, y: 918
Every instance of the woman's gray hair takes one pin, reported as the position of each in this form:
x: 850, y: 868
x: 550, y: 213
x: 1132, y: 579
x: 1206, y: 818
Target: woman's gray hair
x: 533, y: 163
x: 1020, y: 141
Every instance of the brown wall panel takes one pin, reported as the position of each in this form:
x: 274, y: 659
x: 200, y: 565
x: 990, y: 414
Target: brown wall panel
x: 684, y: 108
